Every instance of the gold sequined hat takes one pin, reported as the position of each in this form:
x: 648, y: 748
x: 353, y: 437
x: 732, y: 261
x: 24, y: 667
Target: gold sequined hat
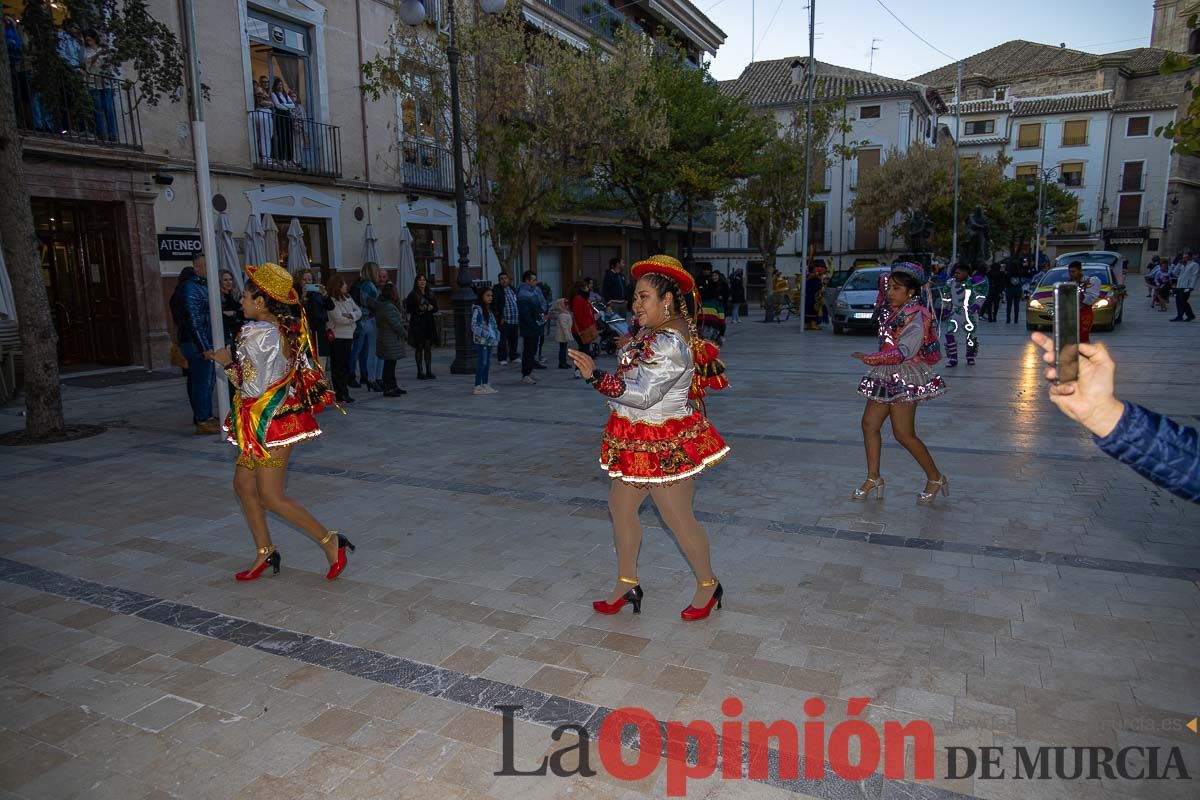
x: 666, y: 265
x: 275, y: 281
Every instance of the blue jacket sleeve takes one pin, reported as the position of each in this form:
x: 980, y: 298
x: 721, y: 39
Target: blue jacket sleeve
x: 1157, y: 448
x: 196, y: 308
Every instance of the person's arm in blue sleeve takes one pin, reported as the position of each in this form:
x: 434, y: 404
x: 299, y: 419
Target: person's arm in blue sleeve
x: 1158, y: 448
x: 196, y: 308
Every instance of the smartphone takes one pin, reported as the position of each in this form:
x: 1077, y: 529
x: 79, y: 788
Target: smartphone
x: 1066, y: 332
x: 312, y: 287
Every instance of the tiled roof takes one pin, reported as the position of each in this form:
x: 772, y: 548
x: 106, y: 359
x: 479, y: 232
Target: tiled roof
x: 1146, y: 105
x: 1019, y: 58
x: 969, y: 141
x: 768, y: 83
x: 1065, y: 104
x: 986, y: 106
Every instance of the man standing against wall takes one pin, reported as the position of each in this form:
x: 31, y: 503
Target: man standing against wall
x: 193, y: 332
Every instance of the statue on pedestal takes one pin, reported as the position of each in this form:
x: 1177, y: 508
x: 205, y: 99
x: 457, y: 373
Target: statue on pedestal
x: 979, y: 248
x: 920, y: 226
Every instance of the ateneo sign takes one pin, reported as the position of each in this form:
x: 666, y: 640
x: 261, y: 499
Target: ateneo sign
x: 178, y: 246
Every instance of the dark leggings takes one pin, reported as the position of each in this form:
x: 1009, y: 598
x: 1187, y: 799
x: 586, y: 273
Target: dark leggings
x: 340, y: 366
x: 1012, y: 306
x: 423, y: 354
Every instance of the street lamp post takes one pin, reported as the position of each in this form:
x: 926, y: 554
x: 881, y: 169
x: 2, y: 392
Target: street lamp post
x: 1043, y: 176
x: 412, y: 12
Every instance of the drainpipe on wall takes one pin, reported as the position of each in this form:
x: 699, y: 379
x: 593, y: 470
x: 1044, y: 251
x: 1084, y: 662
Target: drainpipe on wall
x: 1104, y: 180
x: 362, y: 106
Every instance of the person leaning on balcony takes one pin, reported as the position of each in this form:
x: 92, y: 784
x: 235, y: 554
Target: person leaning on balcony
x: 264, y: 111
x: 281, y: 141
x: 100, y: 83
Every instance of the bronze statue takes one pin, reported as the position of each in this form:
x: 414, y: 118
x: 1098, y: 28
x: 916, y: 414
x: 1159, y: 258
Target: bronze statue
x: 977, y: 226
x: 920, y: 226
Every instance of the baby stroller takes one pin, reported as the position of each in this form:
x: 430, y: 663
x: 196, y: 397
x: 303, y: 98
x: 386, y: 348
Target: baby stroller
x: 611, y: 327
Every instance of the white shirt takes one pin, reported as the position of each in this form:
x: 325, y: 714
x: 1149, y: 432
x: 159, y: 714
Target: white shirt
x: 1089, y: 290
x: 1189, y: 273
x: 343, y: 317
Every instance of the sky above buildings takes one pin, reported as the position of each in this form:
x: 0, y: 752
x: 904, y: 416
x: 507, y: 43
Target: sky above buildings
x: 845, y: 29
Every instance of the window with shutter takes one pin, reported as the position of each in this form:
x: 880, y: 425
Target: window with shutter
x: 1074, y: 133
x: 1072, y: 174
x: 1029, y: 135
x: 1129, y: 211
x: 1027, y: 173
x: 1137, y: 126
x: 1131, y: 176
x: 869, y: 112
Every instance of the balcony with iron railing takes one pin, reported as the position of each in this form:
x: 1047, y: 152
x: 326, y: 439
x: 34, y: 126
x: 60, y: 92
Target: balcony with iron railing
x: 292, y: 143
x: 595, y: 15
x: 427, y: 166
x: 96, y: 110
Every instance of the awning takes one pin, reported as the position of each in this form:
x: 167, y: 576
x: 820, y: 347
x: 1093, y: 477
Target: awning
x: 555, y: 30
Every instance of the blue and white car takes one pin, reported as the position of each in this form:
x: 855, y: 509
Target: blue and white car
x: 854, y: 307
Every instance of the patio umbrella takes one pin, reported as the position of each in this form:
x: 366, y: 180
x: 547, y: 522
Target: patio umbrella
x: 408, y: 263
x: 297, y: 257
x: 227, y: 257
x: 370, y: 249
x: 270, y: 240
x: 256, y: 252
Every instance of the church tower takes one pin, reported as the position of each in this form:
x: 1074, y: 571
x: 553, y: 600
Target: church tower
x: 1170, y: 30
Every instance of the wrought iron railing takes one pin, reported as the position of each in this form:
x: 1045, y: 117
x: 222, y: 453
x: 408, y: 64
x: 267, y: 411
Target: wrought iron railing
x: 427, y: 166
x: 97, y: 109
x: 596, y: 15
x: 286, y: 142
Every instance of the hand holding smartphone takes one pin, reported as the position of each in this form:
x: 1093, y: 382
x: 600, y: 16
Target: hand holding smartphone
x: 1066, y: 332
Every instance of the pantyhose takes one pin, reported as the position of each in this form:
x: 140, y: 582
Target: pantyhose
x: 674, y: 503
x: 263, y: 489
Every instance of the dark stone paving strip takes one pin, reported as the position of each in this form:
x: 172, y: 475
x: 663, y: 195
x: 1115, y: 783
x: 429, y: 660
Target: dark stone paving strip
x: 742, y: 520
x: 550, y: 711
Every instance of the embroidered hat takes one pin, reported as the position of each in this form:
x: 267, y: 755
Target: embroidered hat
x: 668, y: 266
x: 275, y: 281
x: 915, y: 271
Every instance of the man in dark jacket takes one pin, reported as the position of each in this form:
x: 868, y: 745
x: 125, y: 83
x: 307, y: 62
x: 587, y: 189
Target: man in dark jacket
x: 615, y: 288
x: 193, y: 332
x: 531, y: 310
x: 1157, y: 448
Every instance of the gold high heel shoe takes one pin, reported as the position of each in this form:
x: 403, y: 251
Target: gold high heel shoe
x: 942, y: 484
x: 876, y: 485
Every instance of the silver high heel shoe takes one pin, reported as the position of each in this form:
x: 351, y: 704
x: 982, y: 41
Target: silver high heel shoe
x: 943, y: 485
x: 876, y: 485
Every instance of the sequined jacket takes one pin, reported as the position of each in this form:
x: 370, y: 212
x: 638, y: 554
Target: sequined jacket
x: 961, y: 303
x: 652, y: 379
x: 1157, y: 448
x: 905, y: 334
x: 261, y: 360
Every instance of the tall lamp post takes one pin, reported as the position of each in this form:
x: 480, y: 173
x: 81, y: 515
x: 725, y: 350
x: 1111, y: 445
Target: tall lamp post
x: 1043, y: 176
x: 412, y: 12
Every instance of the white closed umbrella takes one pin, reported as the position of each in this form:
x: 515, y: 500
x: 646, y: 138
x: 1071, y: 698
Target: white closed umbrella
x: 256, y: 252
x: 370, y: 248
x: 227, y: 257
x: 297, y: 256
x: 270, y: 240
x: 408, y: 262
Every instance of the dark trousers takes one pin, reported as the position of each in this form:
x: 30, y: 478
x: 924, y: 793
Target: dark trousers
x: 993, y: 304
x: 200, y: 381
x: 506, y: 350
x: 562, y: 354
x: 528, y: 355
x: 389, y: 374
x: 423, y: 354
x: 339, y: 357
x: 1183, y: 309
x: 1012, y: 306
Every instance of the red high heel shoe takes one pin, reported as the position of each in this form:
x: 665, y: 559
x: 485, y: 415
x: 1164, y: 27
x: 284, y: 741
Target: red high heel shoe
x: 272, y: 560
x: 344, y: 544
x: 633, y: 597
x: 691, y: 612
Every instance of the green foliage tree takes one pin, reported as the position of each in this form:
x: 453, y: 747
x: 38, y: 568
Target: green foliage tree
x: 771, y: 201
x: 130, y: 37
x: 1185, y: 131
x: 538, y: 113
x: 1013, y: 213
x: 711, y: 141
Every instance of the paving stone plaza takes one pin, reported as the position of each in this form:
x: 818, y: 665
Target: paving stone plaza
x: 1053, y: 599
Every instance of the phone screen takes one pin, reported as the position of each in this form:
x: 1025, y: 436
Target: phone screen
x: 1066, y: 332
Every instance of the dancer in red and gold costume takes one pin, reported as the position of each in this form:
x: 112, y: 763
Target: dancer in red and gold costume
x: 279, y: 390
x: 657, y: 439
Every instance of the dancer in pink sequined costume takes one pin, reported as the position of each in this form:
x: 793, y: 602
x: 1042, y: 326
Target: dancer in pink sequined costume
x: 900, y: 378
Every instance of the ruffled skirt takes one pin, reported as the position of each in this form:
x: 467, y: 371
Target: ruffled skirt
x: 645, y: 453
x: 909, y: 382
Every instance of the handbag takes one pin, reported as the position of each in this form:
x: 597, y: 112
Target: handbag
x: 588, y: 335
x: 330, y: 336
x: 177, y: 358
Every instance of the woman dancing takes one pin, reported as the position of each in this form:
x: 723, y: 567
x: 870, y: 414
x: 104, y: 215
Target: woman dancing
x: 901, y: 377
x: 280, y: 388
x: 656, y: 441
